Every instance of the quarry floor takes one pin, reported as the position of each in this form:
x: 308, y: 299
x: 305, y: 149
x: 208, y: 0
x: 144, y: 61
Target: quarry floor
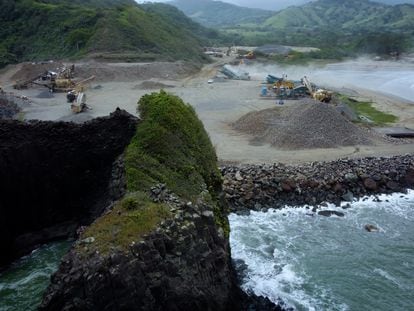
x: 217, y: 104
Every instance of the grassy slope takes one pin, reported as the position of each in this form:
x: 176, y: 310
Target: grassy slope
x: 172, y: 147
x: 366, y: 109
x: 36, y: 30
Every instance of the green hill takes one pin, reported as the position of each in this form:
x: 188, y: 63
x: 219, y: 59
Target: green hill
x: 45, y: 29
x: 219, y: 14
x: 338, y: 27
x: 350, y: 15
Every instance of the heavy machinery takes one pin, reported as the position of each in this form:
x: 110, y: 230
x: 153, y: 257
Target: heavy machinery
x: 282, y: 88
x: 77, y: 97
x: 55, y: 82
x: 234, y: 74
x: 322, y: 95
x: 250, y: 55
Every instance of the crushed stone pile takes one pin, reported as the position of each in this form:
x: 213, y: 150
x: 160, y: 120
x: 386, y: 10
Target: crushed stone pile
x: 306, y: 125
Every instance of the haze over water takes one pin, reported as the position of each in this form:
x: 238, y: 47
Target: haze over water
x: 388, y: 77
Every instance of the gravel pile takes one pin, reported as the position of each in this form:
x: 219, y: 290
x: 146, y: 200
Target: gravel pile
x: 305, y: 125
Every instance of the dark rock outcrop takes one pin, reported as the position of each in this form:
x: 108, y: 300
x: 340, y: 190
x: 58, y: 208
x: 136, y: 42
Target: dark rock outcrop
x: 258, y: 187
x: 56, y: 176
x: 331, y: 213
x: 183, y: 265
x: 371, y: 228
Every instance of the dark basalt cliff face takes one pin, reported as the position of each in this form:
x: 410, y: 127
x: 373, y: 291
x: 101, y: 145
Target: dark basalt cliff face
x: 183, y: 265
x: 56, y: 176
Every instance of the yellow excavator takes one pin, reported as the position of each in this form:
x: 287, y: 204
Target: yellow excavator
x: 322, y: 95
x: 77, y: 97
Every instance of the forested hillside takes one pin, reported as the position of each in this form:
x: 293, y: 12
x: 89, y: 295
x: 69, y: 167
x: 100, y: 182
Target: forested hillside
x: 46, y: 29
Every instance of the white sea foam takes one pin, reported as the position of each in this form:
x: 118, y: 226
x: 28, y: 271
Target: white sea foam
x: 283, y: 247
x: 388, y: 277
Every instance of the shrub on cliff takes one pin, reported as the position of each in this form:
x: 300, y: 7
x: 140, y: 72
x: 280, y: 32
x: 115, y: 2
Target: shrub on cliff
x: 172, y: 147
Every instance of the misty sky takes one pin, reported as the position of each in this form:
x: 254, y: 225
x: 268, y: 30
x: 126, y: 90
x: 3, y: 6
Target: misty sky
x: 278, y: 4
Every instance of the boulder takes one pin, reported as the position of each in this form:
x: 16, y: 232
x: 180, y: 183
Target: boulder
x: 370, y: 184
x: 330, y: 213
x: 371, y: 228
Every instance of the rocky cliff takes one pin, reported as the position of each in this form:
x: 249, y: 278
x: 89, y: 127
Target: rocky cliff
x: 57, y: 176
x: 164, y: 245
x: 182, y: 265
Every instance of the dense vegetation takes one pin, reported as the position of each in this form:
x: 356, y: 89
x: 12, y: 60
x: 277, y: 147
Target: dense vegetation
x: 170, y: 147
x: 44, y: 29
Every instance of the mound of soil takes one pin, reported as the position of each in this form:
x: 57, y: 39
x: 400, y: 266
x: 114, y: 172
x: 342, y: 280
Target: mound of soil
x: 152, y: 85
x: 305, y: 125
x: 126, y: 72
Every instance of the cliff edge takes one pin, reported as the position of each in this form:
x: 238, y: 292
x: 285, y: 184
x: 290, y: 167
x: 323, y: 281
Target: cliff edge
x: 164, y: 245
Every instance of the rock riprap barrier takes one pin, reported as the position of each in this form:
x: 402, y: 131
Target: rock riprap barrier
x: 257, y: 187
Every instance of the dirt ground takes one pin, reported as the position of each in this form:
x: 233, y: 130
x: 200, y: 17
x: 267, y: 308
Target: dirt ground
x: 217, y: 104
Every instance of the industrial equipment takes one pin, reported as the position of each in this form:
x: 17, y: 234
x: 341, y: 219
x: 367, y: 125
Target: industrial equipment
x: 322, y: 95
x: 234, y: 74
x: 55, y: 81
x: 77, y: 97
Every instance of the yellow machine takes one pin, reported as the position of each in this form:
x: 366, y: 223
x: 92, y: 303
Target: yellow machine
x: 250, y: 55
x: 77, y: 97
x: 55, y: 81
x: 322, y: 95
x: 285, y: 84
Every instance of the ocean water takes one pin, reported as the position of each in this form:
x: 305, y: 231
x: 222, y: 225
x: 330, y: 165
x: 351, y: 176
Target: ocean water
x: 330, y: 263
x: 23, y: 284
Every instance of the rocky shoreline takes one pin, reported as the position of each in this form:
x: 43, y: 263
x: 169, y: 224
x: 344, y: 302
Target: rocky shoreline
x: 259, y: 187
